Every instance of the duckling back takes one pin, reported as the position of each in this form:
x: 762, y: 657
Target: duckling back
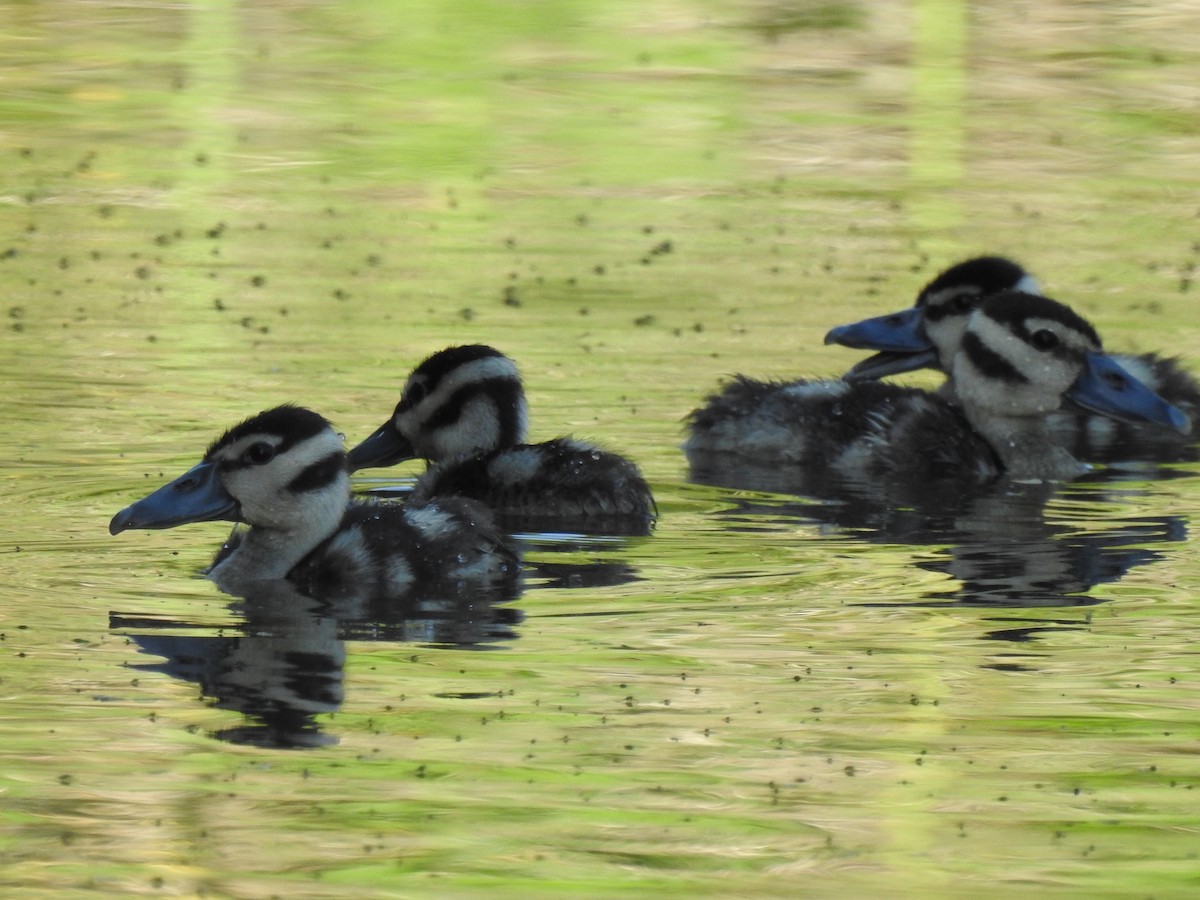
x: 562, y: 479
x: 386, y: 549
x: 859, y: 430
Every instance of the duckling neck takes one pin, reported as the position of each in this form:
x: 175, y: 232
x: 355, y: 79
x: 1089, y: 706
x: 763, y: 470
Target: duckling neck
x: 1026, y: 449
x: 269, y: 553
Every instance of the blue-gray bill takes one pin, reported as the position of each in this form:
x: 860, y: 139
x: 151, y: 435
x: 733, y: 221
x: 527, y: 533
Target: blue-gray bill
x: 1106, y: 388
x: 899, y: 336
x: 195, y: 496
x: 385, y: 447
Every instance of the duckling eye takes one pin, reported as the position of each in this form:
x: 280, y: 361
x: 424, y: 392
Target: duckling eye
x: 962, y: 303
x: 257, y: 454
x: 415, y: 394
x: 1044, y: 339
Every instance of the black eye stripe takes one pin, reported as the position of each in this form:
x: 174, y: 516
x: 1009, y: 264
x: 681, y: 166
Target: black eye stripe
x: 504, y: 392
x: 989, y: 362
x: 319, y: 474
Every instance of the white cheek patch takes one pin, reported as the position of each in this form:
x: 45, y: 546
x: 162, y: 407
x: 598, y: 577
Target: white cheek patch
x: 302, y: 455
x: 471, y: 373
x: 946, y: 336
x: 1040, y: 368
x: 477, y: 428
x: 999, y: 339
x: 1048, y: 374
x: 266, y: 499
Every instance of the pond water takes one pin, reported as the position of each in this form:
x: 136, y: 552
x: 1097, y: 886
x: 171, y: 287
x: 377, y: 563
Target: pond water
x: 207, y: 209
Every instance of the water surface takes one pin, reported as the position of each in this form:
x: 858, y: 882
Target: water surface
x: 209, y: 209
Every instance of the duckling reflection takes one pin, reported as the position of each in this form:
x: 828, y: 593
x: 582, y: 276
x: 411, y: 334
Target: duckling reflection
x: 284, y: 671
x: 931, y: 333
x: 996, y: 544
x: 572, y: 561
x: 1006, y: 553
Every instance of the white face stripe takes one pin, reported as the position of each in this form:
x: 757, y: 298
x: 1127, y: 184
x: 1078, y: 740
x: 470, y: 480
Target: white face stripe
x: 312, y: 448
x: 1076, y: 340
x: 1001, y: 340
x: 238, y: 447
x: 470, y: 373
x: 945, y: 295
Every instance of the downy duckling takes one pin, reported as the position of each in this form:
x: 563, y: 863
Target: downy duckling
x: 284, y: 474
x: 930, y: 333
x: 1019, y: 356
x: 464, y: 411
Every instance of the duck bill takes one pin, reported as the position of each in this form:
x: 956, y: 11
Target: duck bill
x: 900, y: 336
x: 891, y: 363
x: 902, y: 332
x: 195, y: 496
x: 1106, y: 388
x: 385, y: 447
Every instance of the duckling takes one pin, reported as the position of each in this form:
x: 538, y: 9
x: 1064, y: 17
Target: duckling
x: 464, y: 411
x: 930, y: 333
x: 284, y: 474
x: 1020, y: 355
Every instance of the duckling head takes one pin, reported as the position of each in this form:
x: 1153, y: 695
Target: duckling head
x: 929, y: 333
x: 459, y: 402
x: 1020, y: 357
x: 283, y: 469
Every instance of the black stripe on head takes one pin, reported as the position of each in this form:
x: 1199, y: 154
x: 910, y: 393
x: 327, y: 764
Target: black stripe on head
x: 505, y: 393
x: 426, y: 377
x: 981, y: 275
x: 1014, y: 309
x: 290, y: 423
x: 319, y: 475
x: 990, y: 363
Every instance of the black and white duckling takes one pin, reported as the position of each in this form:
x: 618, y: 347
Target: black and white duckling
x: 930, y: 333
x: 463, y: 410
x: 1020, y: 355
x: 284, y: 474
